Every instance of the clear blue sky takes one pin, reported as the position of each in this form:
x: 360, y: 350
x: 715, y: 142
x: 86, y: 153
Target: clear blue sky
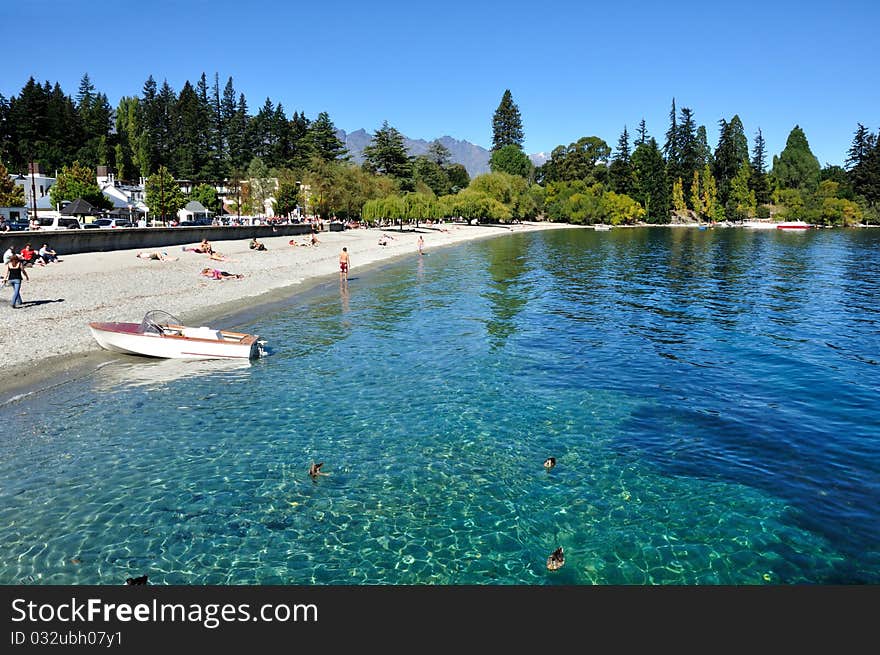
x: 432, y: 69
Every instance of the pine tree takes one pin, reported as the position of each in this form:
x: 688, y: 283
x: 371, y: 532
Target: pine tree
x: 620, y: 172
x: 758, y: 181
x: 507, y: 124
x: 796, y: 167
x: 237, y: 132
x: 641, y: 134
x: 227, y: 117
x: 147, y: 152
x: 703, y: 148
x: 691, y: 155
x: 205, y: 160
x: 438, y: 153
x: 671, y: 149
x: 324, y: 142
x: 187, y: 124
x: 732, y: 150
x: 165, y: 136
x: 386, y: 154
x: 652, y: 188
x: 85, y: 94
x: 218, y: 155
x: 300, y: 141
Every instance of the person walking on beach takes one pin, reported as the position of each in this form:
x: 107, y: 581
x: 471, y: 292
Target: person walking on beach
x: 14, y: 273
x: 344, y: 264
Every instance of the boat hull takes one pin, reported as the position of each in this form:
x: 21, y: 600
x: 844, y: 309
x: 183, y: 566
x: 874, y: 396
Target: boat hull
x: 126, y: 338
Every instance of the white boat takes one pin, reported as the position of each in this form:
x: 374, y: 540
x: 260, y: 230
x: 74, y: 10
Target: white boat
x: 162, y: 335
x: 776, y: 225
x: 599, y: 227
x: 760, y: 225
x: 793, y: 225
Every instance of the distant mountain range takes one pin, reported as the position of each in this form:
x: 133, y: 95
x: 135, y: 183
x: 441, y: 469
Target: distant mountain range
x: 474, y: 158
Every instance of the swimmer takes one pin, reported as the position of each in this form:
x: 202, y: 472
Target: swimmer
x: 549, y: 463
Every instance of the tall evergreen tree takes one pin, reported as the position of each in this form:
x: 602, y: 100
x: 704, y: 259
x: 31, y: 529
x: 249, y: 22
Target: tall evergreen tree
x: 438, y: 153
x: 218, y: 154
x: 387, y: 155
x: 759, y: 184
x: 641, y: 134
x: 620, y: 172
x: 227, y: 118
x: 732, y: 150
x: 300, y: 140
x: 205, y: 168
x: 507, y: 124
x: 862, y: 164
x: 703, y: 147
x: 238, y: 135
x: 651, y: 188
x: 165, y: 136
x: 261, y: 134
x: 148, y: 155
x: 672, y: 147
x: 796, y: 167
x: 324, y: 142
x: 690, y: 149
x: 187, y: 124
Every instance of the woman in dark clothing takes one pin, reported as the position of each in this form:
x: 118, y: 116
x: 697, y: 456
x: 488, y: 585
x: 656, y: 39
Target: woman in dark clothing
x: 14, y: 273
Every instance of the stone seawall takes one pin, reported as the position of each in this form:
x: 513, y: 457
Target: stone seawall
x: 69, y: 242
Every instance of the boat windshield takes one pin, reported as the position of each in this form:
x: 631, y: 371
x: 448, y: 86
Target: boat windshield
x: 156, y: 320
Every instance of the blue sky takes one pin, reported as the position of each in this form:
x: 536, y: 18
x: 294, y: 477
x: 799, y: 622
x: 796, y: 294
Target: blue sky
x: 432, y: 69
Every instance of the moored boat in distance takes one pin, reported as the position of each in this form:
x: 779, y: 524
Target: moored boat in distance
x: 599, y: 227
x: 793, y: 225
x: 160, y: 334
x: 776, y: 225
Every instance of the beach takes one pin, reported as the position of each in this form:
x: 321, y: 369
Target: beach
x: 48, y: 338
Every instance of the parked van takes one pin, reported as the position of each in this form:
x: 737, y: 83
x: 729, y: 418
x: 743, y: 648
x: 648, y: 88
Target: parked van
x: 59, y: 223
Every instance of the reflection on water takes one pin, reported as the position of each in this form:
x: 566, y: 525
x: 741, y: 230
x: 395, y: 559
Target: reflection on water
x: 139, y: 371
x: 709, y: 397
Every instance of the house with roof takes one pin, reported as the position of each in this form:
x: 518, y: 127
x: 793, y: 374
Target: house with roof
x: 195, y: 211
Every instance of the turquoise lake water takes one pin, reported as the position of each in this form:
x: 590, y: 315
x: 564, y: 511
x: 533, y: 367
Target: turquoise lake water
x: 710, y: 397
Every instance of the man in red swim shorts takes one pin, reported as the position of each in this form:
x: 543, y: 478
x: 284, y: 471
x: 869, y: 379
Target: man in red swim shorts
x: 343, y: 264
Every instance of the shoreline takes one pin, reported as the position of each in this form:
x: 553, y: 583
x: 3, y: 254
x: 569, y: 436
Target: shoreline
x: 47, y: 342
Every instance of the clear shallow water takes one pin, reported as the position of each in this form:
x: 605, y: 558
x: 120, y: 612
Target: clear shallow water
x: 710, y: 397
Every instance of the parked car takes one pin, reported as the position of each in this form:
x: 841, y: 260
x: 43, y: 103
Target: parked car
x: 18, y: 225
x: 111, y: 222
x: 59, y: 223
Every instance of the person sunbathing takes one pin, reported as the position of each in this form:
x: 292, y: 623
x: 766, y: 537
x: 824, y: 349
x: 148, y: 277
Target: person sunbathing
x: 216, y: 274
x: 216, y: 256
x: 159, y: 256
x: 256, y: 245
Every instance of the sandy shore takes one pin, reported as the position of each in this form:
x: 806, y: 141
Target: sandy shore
x: 48, y: 338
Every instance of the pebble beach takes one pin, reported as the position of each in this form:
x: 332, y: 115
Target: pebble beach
x: 50, y: 335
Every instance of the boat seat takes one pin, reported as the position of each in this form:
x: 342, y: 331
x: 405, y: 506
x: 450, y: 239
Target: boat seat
x: 201, y: 333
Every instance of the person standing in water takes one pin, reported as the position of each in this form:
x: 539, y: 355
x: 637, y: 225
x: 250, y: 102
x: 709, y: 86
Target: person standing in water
x: 344, y: 264
x: 421, y: 244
